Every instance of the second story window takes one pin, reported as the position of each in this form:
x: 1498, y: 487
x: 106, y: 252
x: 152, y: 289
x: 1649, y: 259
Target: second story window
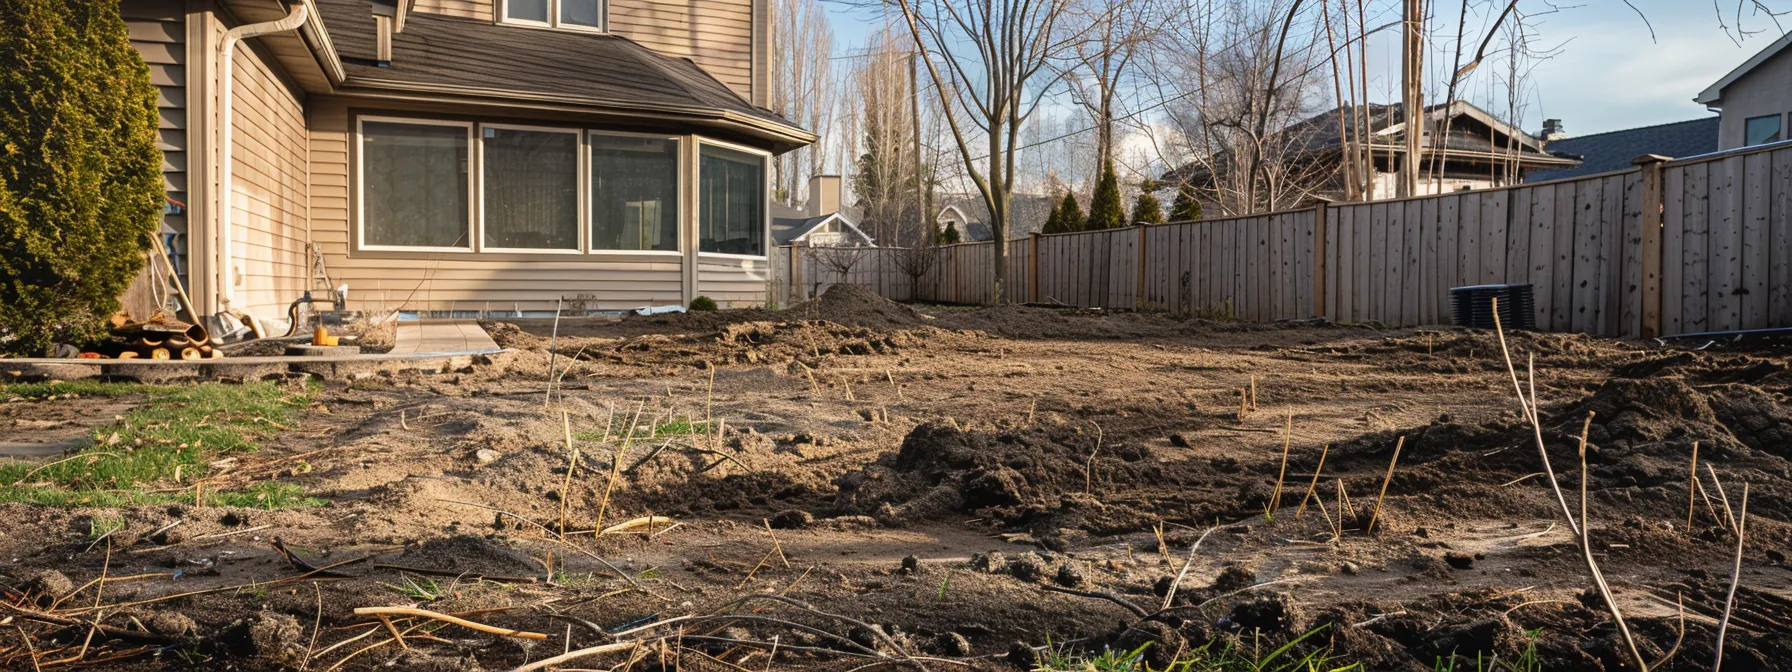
x: 1762, y: 130
x: 573, y: 14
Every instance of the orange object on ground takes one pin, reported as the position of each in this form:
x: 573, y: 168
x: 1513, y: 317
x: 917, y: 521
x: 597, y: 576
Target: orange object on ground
x: 318, y: 337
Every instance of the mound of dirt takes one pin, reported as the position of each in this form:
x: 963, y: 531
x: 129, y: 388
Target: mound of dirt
x: 1050, y: 480
x: 857, y: 306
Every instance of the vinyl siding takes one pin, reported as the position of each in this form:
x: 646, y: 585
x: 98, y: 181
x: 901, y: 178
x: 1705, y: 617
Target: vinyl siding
x: 382, y: 281
x: 733, y: 283
x: 715, y: 34
x: 270, y: 175
x: 158, y: 32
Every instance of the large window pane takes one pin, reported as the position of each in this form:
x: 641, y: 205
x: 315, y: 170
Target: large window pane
x: 582, y: 13
x: 531, y: 189
x: 634, y: 193
x: 731, y: 202
x: 1762, y: 130
x: 414, y: 185
x: 526, y: 10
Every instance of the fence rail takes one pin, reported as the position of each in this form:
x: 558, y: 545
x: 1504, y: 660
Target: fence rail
x: 1666, y: 247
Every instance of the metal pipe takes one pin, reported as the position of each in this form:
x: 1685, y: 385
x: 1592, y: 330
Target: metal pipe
x: 226, y: 54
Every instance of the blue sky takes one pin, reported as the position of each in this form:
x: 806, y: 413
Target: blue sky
x: 1608, y: 76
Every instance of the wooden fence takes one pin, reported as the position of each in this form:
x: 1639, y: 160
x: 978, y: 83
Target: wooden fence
x: 1666, y: 247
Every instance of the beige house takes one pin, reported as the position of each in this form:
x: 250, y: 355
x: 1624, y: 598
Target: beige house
x: 1755, y: 99
x: 464, y: 155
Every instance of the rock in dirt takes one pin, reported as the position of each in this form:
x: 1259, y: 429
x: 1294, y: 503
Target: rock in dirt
x: 989, y: 563
x: 1070, y: 575
x: 952, y: 644
x: 1027, y: 567
x: 793, y: 519
x: 486, y: 456
x: 1233, y: 577
x: 1022, y: 656
x: 911, y: 565
x: 270, y: 637
x: 47, y: 585
x: 1267, y: 614
x: 172, y: 624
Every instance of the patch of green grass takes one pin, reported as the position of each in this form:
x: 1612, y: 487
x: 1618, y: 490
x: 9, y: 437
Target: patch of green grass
x: 422, y: 589
x: 100, y: 526
x: 675, y: 427
x: 85, y: 387
x: 178, y: 431
x: 1211, y: 657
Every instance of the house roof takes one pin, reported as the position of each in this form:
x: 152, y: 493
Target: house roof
x: 1605, y: 152
x: 790, y: 224
x: 1026, y: 215
x: 1713, y: 95
x: 607, y: 73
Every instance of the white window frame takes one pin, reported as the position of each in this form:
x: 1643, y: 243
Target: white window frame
x: 696, y: 178
x: 680, y: 141
x: 473, y: 168
x: 579, y: 171
x: 553, y: 22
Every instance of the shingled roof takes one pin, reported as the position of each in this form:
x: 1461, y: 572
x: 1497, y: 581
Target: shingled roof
x: 1605, y: 152
x: 605, y: 72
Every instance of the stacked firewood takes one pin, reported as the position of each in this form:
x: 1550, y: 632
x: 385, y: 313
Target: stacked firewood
x: 158, y: 338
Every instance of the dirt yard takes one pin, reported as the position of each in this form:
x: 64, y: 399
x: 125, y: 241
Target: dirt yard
x: 852, y: 482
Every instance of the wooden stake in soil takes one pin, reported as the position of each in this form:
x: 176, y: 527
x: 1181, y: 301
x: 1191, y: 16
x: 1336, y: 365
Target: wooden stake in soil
x: 552, y: 358
x: 1384, y: 485
x: 1344, y: 505
x: 1244, y: 403
x: 1253, y: 391
x: 1275, y: 500
x: 1311, y: 487
x: 1586, y: 547
x: 1721, y: 498
x: 603, y: 505
x: 1692, y: 487
x: 572, y: 464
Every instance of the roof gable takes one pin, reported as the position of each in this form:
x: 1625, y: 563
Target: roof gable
x: 1713, y: 95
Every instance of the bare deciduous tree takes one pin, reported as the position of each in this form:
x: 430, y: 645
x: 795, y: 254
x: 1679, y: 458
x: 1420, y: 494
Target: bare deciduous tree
x: 802, y: 89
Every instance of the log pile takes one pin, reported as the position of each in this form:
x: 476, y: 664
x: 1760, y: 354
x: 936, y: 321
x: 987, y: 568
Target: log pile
x: 157, y: 338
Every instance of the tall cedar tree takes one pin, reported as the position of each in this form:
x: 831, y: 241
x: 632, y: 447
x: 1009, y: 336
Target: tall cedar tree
x: 1186, y: 208
x: 80, y: 174
x: 1070, y: 214
x: 1148, y: 211
x: 950, y: 235
x: 1106, y: 211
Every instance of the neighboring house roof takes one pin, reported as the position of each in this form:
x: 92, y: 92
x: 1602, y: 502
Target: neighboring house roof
x: 609, y: 73
x: 790, y: 225
x: 1026, y: 216
x: 1606, y: 152
x: 1712, y: 96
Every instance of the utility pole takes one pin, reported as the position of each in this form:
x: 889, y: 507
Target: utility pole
x: 1412, y: 78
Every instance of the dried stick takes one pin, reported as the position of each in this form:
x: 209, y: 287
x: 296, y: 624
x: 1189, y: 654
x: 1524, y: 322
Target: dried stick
x: 775, y: 545
x: 1253, y: 391
x: 575, y: 655
x: 1384, y: 485
x: 1314, y: 486
x: 1344, y: 505
x: 1692, y: 487
x: 1275, y: 500
x: 1170, y: 595
x: 1720, y: 495
x: 1709, y: 507
x: 1089, y: 465
x: 445, y: 618
x: 1528, y: 406
x: 1586, y: 549
x: 603, y: 506
x: 1723, y: 624
x: 572, y: 465
x: 553, y: 357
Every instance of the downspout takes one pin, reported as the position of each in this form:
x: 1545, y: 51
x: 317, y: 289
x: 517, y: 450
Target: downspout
x: 226, y: 53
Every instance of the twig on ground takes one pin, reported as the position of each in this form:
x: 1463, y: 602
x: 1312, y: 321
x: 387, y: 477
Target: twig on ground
x: 1692, y: 487
x: 445, y: 618
x: 469, y: 576
x: 1384, y: 485
x: 1275, y: 500
x: 1723, y: 624
x: 300, y: 564
x: 603, y: 505
x: 1721, y: 498
x: 775, y: 545
x: 572, y: 465
x: 1528, y: 407
x: 1314, y: 486
x: 1170, y: 595
x: 1099, y: 595
x: 1586, y: 547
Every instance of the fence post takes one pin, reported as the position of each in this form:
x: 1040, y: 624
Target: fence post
x: 799, y: 290
x: 1138, y: 290
x: 1652, y: 221
x: 1319, y: 259
x: 1033, y: 267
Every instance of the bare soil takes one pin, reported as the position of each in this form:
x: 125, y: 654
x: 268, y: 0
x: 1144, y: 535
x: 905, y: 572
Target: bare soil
x: 946, y: 475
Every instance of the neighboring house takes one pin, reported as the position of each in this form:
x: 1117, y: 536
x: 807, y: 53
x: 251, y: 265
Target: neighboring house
x: 1755, y: 98
x: 465, y: 155
x: 1614, y: 150
x: 1480, y: 152
x: 823, y: 223
x: 1026, y: 216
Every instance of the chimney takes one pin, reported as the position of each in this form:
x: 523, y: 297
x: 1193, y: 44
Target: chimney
x: 824, y: 195
x: 1552, y: 130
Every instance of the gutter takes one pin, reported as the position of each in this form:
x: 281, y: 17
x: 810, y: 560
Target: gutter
x: 226, y: 55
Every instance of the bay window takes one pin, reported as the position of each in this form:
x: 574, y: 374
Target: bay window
x: 731, y: 201
x: 414, y: 185
x: 530, y: 199
x: 634, y: 193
